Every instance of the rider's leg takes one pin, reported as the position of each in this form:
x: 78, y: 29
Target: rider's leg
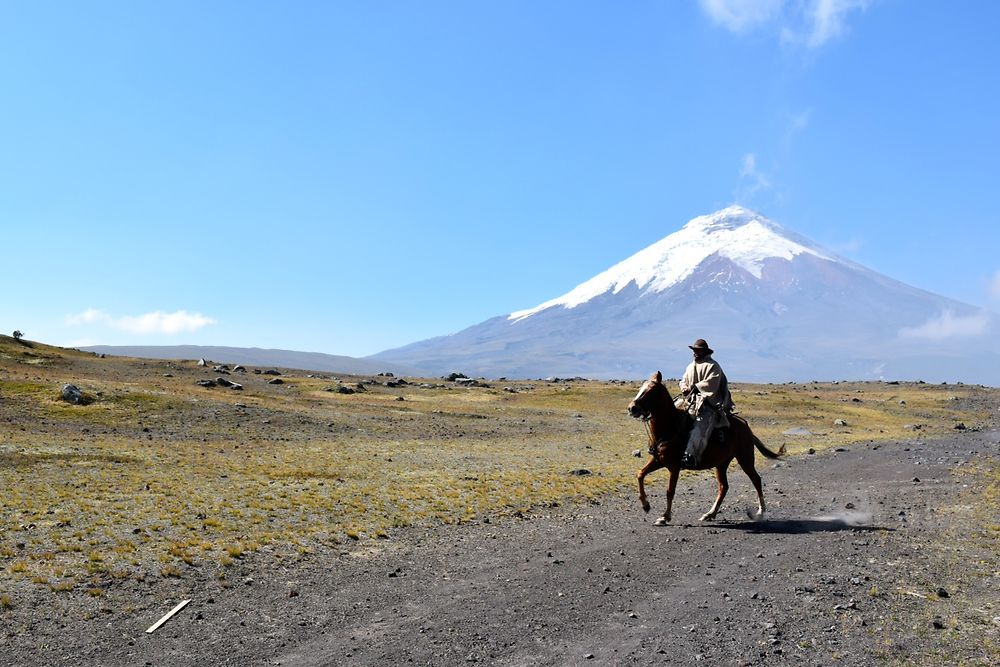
x: 698, y: 439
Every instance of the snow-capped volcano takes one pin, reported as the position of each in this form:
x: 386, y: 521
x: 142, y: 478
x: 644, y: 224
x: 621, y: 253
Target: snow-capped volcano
x: 735, y: 233
x: 774, y: 305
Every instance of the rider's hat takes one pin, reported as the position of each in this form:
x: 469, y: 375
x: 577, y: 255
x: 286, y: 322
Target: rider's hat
x: 701, y: 346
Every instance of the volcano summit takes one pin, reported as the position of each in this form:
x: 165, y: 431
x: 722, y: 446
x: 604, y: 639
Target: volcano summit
x: 773, y: 304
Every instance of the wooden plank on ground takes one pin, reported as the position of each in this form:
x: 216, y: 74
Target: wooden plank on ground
x: 167, y: 616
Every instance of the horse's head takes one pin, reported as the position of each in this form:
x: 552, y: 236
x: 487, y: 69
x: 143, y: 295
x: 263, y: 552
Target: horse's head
x: 652, y: 395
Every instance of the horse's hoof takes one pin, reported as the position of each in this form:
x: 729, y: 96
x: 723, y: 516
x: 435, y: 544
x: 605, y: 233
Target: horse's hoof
x: 707, y: 517
x: 645, y: 508
x: 662, y: 521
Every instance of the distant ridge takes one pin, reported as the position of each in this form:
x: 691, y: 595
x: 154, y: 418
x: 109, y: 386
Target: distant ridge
x: 255, y: 356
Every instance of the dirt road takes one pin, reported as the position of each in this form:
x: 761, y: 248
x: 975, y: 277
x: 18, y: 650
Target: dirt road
x: 874, y: 554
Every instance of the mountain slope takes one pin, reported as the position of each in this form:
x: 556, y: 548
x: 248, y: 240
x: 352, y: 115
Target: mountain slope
x: 774, y: 305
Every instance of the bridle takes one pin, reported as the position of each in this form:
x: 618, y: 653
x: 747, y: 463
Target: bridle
x: 645, y: 417
x: 646, y: 414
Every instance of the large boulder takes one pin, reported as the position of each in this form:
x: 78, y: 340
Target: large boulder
x: 72, y: 394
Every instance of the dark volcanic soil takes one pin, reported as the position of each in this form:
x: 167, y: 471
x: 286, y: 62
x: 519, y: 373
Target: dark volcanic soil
x: 870, y: 555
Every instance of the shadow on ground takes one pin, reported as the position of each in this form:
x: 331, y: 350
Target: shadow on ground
x: 799, y: 526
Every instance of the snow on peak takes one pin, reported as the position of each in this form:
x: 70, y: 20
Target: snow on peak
x: 736, y: 233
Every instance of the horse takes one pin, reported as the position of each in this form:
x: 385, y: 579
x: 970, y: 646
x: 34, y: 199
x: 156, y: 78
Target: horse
x: 668, y: 433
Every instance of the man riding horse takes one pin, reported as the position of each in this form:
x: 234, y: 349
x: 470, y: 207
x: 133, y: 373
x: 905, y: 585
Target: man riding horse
x: 705, y: 395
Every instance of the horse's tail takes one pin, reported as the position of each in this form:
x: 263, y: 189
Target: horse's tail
x: 761, y: 447
x: 765, y: 451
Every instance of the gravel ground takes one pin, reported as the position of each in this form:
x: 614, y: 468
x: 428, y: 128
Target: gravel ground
x: 874, y: 554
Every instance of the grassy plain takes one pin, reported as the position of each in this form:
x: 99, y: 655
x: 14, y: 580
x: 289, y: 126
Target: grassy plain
x: 160, y: 478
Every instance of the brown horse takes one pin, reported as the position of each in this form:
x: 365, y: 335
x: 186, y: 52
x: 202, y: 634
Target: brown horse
x: 668, y: 433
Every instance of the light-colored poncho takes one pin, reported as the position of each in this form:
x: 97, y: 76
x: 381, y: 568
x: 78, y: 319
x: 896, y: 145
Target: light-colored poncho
x: 707, y: 377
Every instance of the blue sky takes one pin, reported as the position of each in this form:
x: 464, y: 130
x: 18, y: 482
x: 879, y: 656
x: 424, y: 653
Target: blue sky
x: 346, y: 177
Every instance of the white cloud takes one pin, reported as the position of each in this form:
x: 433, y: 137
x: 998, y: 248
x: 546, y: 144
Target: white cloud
x: 848, y: 246
x: 149, y: 323
x: 995, y: 285
x: 739, y: 15
x: 89, y: 316
x: 826, y: 19
x: 948, y: 325
x: 810, y: 23
x: 797, y: 123
x: 754, y: 179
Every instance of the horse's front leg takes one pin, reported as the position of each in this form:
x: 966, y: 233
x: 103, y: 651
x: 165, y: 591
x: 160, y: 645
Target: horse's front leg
x: 720, y: 477
x: 671, y: 488
x: 641, y: 476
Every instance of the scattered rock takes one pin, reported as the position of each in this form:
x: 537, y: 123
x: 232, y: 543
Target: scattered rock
x: 810, y: 451
x: 239, y: 369
x: 840, y: 422
x: 637, y: 453
x: 202, y: 362
x: 72, y: 394
x: 580, y: 472
x: 798, y: 430
x: 276, y: 381
x: 455, y: 376
x: 205, y: 383
x: 270, y: 371
x: 959, y: 426
x: 942, y: 593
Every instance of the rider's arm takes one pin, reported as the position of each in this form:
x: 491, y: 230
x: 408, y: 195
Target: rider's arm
x: 709, y: 385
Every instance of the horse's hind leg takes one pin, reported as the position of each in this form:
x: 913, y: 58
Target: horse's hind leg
x: 720, y: 477
x: 746, y: 463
